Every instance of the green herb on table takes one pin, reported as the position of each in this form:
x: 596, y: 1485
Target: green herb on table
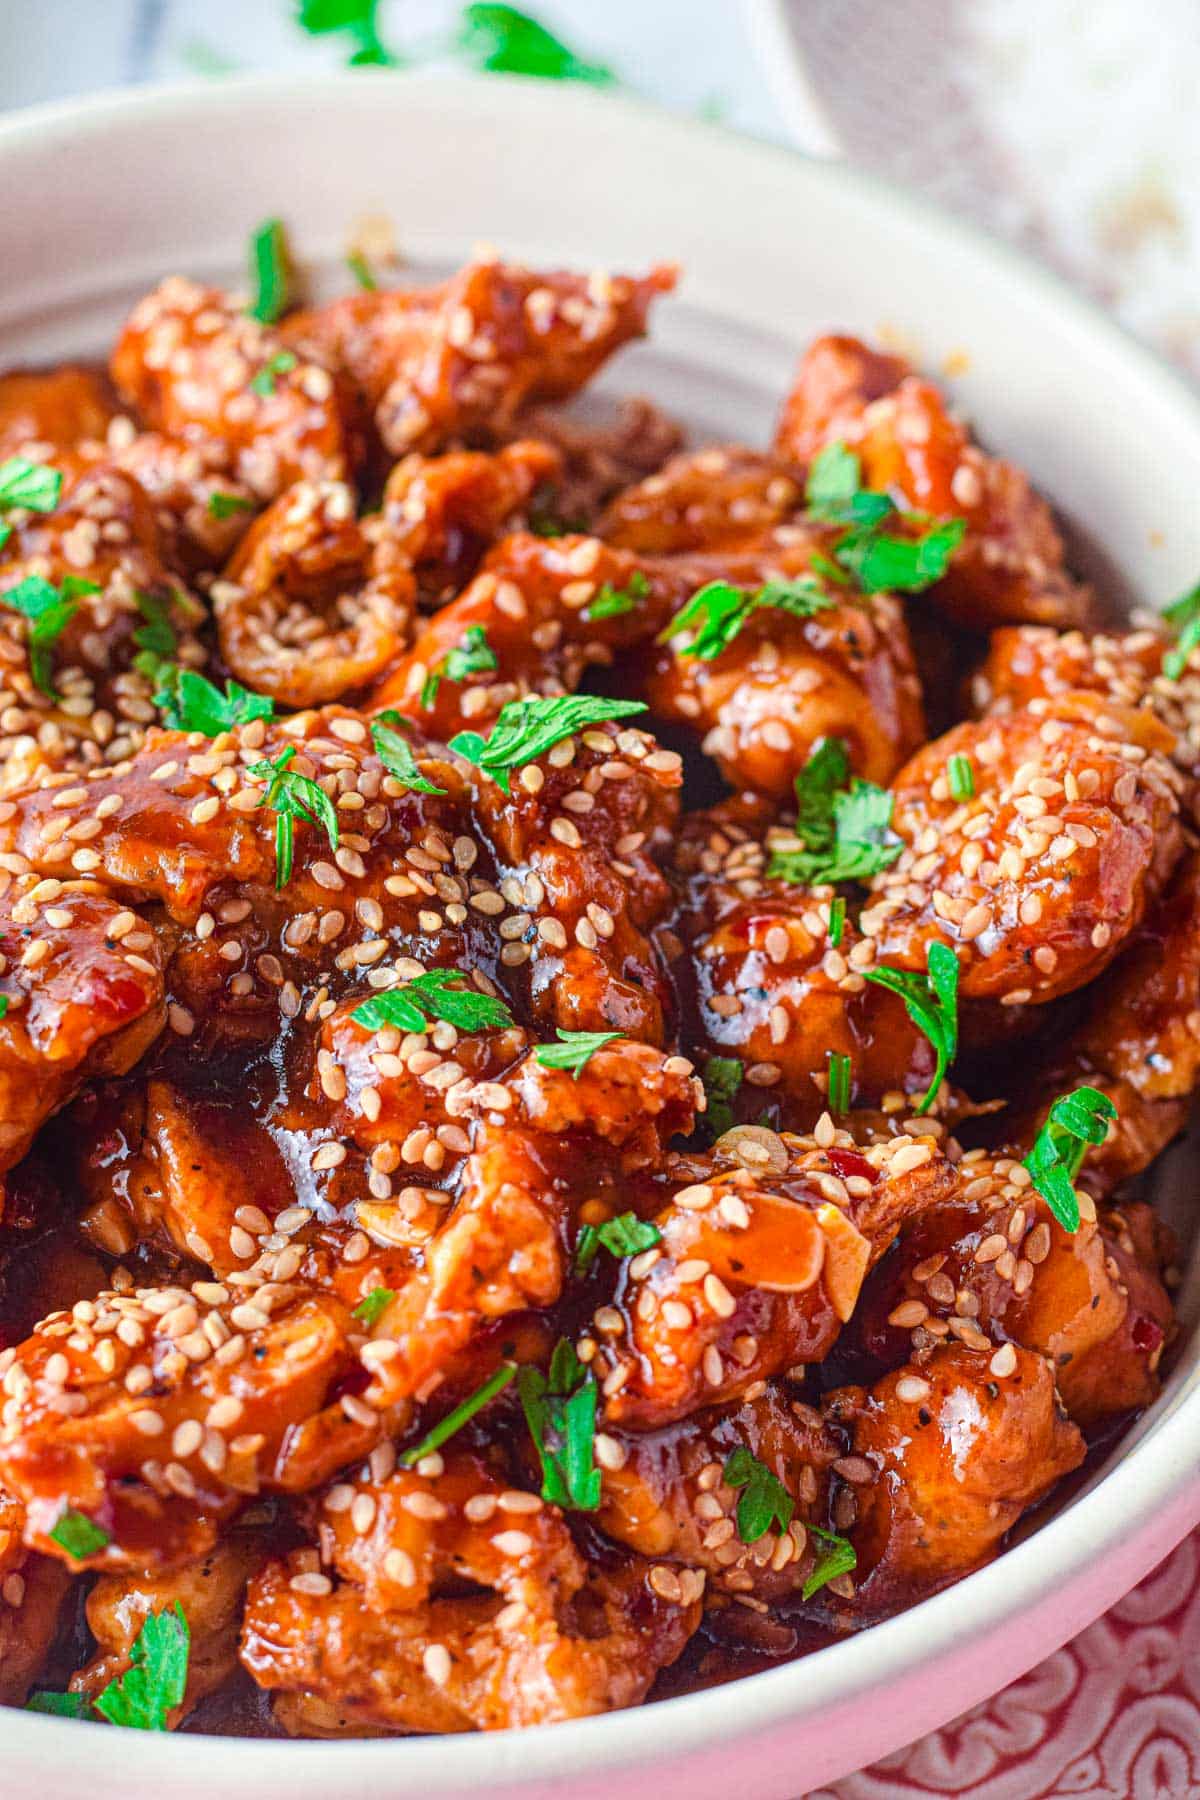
x: 358, y: 19
x: 504, y: 39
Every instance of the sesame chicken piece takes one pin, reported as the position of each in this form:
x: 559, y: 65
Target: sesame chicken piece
x: 83, y: 986
x: 202, y: 508
x: 1038, y: 878
x: 993, y: 1263
x: 443, y: 513
x: 159, y: 1412
x: 104, y: 532
x: 310, y: 608
x: 1010, y: 565
x: 663, y: 1494
x: 544, y: 1145
x: 762, y: 981
x: 723, y: 497
x: 785, y: 682
x: 388, y: 1637
x: 44, y: 411
x: 211, y: 1591
x: 532, y: 599
x: 602, y: 453
x: 760, y: 1265
x: 1028, y: 666
x: 461, y: 359
x: 32, y: 1591
x: 190, y: 365
x: 960, y: 1451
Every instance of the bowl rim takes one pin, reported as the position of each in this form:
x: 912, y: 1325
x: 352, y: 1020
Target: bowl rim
x: 1160, y: 1469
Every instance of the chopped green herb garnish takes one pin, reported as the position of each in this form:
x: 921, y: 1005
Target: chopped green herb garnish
x: 357, y: 18
x: 528, y: 728
x: 360, y: 268
x: 931, y: 1002
x: 838, y: 1559
x: 190, y: 702
x: 372, y: 1308
x: 62, y: 1706
x: 574, y: 1049
x: 30, y: 485
x: 293, y: 797
x: 764, y: 1500
x: 437, y: 994
x: 505, y: 39
x: 846, y: 830
x: 722, y: 1078
x: 48, y: 610
x: 396, y: 754
x: 473, y: 656
x: 225, y: 506
x: 960, y: 774
x: 837, y: 920
x: 5, y: 534
x: 454, y: 1421
x: 282, y: 363
x: 155, y: 1682
x: 716, y: 612
x: 156, y: 638
x: 879, y: 561
x: 270, y: 274
x: 1183, y: 617
x: 560, y: 1410
x: 626, y: 1235
x: 611, y: 601
x: 3, y: 1006
x: 839, y: 1082
x: 78, y: 1535
x: 1075, y: 1121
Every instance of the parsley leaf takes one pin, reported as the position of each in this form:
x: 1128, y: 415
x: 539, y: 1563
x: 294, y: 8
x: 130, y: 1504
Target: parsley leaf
x: 1183, y: 617
x: 269, y: 269
x: 49, y: 610
x: 846, y: 831
x: 372, y: 1307
x: 838, y: 1559
x: 506, y: 39
x: 224, y: 506
x: 722, y: 1078
x: 878, y: 560
x: 156, y: 638
x: 1076, y: 1120
x: 764, y: 1500
x: 526, y: 729
x: 574, y: 1049
x: 560, y: 1410
x: 78, y: 1535
x: 62, y: 1706
x: 461, y: 1415
x: 434, y: 995
x: 396, y: 754
x: 3, y: 1006
x: 626, y: 1235
x: 357, y: 18
x: 30, y: 485
x: 189, y: 702
x: 473, y: 656
x: 611, y: 601
x: 360, y: 268
x: 293, y: 797
x: 839, y: 1081
x: 931, y: 1002
x: 837, y: 921
x: 156, y: 1679
x: 282, y: 363
x: 716, y: 612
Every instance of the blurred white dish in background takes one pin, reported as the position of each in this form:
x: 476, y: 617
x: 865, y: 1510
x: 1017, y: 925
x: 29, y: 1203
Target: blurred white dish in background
x: 1069, y: 124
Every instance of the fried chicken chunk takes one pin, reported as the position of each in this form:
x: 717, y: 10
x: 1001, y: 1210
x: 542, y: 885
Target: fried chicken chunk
x: 1010, y: 565
x: 1039, y: 876
x: 45, y: 411
x: 460, y: 360
x: 390, y: 1639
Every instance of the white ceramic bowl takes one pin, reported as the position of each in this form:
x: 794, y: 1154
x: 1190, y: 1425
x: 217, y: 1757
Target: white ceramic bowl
x: 98, y: 200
